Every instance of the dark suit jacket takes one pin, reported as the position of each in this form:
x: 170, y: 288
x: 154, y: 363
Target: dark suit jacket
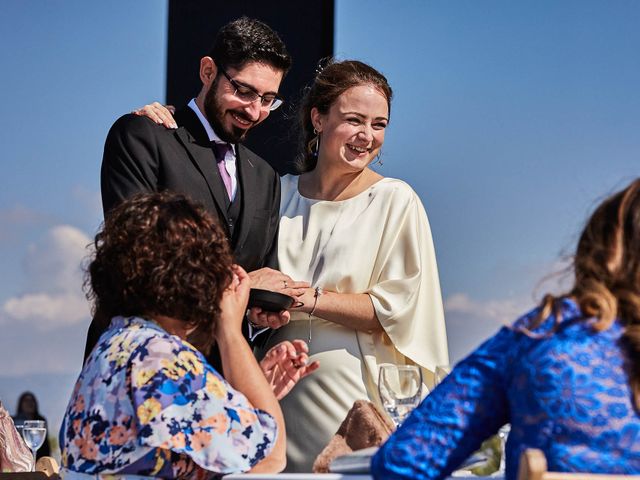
x: 141, y: 156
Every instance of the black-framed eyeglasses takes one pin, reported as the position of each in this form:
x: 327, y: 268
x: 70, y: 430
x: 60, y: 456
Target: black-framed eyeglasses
x: 269, y: 101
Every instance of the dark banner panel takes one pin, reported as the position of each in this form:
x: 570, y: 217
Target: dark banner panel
x: 307, y: 29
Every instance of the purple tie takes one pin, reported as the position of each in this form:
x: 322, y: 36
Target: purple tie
x: 220, y: 150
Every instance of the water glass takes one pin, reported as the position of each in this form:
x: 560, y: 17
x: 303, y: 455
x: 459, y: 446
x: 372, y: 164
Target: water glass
x: 34, y: 433
x: 503, y: 433
x: 400, y: 388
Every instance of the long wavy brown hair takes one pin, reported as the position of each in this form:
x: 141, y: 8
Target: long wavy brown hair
x: 606, y: 266
x: 161, y: 254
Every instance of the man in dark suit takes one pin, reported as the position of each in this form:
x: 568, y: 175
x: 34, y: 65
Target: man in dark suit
x: 203, y: 157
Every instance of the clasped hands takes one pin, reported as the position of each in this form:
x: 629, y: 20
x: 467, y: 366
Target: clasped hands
x: 270, y: 279
x: 287, y: 362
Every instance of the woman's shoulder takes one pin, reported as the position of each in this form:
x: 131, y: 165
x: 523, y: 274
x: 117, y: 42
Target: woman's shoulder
x: 141, y: 339
x: 564, y: 313
x: 394, y: 187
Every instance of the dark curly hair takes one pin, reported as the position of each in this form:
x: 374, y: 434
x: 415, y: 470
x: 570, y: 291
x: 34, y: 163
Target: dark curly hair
x: 248, y: 40
x: 331, y: 81
x: 160, y: 254
x: 607, y: 275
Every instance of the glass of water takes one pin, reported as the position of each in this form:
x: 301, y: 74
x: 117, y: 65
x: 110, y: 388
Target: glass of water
x: 34, y: 433
x: 400, y: 388
x: 503, y: 433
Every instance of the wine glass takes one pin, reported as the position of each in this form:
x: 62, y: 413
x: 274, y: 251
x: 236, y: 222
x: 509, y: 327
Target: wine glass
x: 400, y: 388
x: 503, y: 433
x: 34, y: 433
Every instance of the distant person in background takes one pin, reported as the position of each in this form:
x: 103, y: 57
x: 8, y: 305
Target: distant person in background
x: 28, y: 410
x: 147, y: 402
x: 566, y: 376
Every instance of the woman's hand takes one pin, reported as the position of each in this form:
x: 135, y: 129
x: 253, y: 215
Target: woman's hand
x: 234, y: 303
x: 285, y: 364
x: 161, y: 114
x: 306, y: 300
x: 264, y: 319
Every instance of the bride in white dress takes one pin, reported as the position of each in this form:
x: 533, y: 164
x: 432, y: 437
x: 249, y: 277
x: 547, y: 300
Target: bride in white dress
x: 364, y: 243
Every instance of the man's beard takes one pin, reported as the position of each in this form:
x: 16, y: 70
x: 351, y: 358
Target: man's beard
x: 215, y: 114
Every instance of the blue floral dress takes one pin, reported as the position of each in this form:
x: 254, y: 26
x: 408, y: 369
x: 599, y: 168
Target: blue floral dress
x: 147, y: 403
x: 566, y: 394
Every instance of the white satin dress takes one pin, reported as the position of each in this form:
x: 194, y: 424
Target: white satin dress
x: 379, y: 243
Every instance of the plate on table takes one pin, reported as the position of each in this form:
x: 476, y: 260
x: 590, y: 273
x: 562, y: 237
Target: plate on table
x: 270, y: 301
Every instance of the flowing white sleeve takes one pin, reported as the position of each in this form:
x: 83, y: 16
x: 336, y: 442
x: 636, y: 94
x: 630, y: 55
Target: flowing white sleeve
x: 405, y: 287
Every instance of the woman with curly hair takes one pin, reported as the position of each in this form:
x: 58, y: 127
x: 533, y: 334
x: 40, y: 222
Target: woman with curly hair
x: 146, y: 401
x: 566, y: 376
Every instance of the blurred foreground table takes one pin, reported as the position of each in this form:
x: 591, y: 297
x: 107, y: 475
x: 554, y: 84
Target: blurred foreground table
x: 330, y: 476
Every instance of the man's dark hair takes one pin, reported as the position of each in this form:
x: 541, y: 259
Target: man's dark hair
x: 248, y: 40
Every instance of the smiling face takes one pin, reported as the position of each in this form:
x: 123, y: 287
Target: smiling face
x: 229, y: 116
x: 352, y: 131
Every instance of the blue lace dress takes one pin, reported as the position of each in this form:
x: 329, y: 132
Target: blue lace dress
x: 566, y: 394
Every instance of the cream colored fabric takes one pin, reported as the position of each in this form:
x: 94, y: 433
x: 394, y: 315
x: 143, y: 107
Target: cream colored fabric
x: 378, y: 242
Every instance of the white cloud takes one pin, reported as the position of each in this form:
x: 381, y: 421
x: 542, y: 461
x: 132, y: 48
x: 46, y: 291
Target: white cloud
x: 496, y: 311
x: 48, y: 310
x: 53, y: 270
x: 470, y: 322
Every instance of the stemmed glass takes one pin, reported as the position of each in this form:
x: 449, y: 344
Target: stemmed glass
x: 34, y: 433
x: 400, y: 388
x: 503, y: 433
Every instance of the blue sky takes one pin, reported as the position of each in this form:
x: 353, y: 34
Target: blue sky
x: 510, y: 119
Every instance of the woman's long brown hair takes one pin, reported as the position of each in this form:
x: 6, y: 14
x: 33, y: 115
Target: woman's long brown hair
x: 607, y: 275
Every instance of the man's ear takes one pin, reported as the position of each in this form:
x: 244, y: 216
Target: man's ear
x: 208, y: 71
x: 316, y: 119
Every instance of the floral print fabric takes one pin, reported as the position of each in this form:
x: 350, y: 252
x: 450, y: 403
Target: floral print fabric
x: 147, y: 403
x: 566, y: 394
